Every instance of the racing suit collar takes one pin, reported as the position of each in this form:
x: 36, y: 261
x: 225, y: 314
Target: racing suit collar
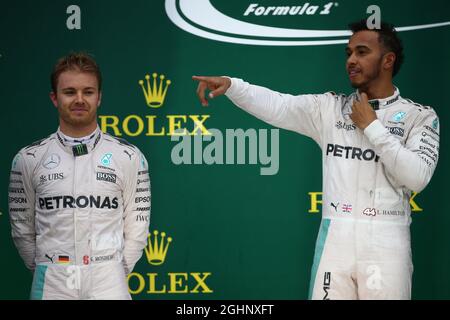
x: 67, y: 143
x: 382, y: 103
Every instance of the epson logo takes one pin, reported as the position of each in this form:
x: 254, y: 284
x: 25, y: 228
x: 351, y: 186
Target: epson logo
x: 17, y: 200
x: 64, y: 202
x: 141, y: 199
x: 108, y: 177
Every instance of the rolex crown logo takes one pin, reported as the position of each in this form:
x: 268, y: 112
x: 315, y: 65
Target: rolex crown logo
x: 154, y: 92
x: 156, y: 250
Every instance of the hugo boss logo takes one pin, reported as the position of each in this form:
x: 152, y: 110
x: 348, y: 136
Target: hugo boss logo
x: 105, y: 176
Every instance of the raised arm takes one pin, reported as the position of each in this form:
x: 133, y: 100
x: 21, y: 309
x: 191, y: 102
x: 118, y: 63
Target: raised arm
x: 300, y: 113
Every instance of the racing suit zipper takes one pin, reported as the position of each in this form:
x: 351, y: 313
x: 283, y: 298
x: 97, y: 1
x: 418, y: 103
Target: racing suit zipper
x: 77, y: 269
x: 358, y: 209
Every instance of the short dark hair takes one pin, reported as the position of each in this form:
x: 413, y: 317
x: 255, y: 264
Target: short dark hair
x: 388, y: 36
x: 79, y: 61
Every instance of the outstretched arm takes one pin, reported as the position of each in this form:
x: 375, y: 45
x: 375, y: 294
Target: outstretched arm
x: 299, y: 113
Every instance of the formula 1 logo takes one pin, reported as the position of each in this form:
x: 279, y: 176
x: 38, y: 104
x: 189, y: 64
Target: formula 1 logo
x: 201, y: 18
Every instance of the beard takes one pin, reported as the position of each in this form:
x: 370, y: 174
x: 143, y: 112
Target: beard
x: 77, y: 120
x: 368, y: 77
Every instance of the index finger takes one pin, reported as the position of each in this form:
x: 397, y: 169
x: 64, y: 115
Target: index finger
x: 364, y: 98
x: 200, y: 78
x: 201, y: 93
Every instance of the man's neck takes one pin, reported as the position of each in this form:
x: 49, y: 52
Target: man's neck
x: 380, y: 91
x: 77, y: 132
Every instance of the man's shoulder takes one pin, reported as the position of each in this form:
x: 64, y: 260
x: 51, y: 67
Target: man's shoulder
x: 339, y: 100
x: 331, y: 97
x: 32, y: 153
x: 119, y: 142
x: 38, y: 145
x: 128, y: 148
x: 415, y: 106
x: 336, y: 94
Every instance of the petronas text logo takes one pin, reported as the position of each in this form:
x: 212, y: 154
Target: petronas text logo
x: 156, y: 250
x: 154, y: 92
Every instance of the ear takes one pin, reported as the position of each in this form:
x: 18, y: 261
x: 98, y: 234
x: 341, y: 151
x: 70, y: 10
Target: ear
x: 54, y: 99
x: 389, y: 60
x: 99, y: 99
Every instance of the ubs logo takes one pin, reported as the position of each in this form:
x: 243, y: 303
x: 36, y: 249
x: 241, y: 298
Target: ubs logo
x: 345, y: 126
x: 51, y: 177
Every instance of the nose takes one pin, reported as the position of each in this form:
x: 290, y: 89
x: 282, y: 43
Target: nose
x: 351, y: 60
x: 79, y: 97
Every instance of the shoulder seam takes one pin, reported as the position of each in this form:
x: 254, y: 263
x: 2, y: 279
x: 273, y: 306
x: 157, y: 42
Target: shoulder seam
x: 418, y: 105
x: 122, y: 142
x: 36, y: 143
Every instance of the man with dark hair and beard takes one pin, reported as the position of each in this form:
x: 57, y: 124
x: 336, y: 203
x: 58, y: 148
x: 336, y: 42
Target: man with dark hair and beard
x: 377, y: 147
x: 79, y: 200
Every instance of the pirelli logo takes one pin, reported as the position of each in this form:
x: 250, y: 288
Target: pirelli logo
x: 105, y: 176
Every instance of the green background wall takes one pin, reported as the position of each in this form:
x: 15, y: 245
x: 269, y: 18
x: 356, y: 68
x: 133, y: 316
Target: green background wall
x: 252, y: 233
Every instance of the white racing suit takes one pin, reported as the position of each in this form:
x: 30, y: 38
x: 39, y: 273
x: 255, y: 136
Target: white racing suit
x: 363, y: 248
x: 80, y: 215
